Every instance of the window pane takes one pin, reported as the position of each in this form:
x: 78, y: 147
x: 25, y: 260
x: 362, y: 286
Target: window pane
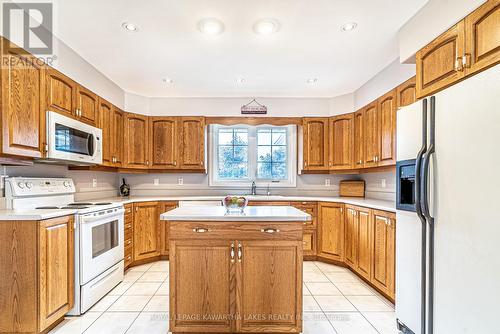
x: 225, y: 154
x: 264, y: 153
x: 279, y: 153
x: 279, y: 171
x: 241, y: 153
x: 240, y: 137
x: 232, y: 153
x: 279, y: 137
x: 225, y: 136
x: 264, y: 170
x: 264, y: 137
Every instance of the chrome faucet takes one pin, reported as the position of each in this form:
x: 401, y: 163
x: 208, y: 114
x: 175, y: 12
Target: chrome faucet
x: 268, y: 190
x: 254, y: 188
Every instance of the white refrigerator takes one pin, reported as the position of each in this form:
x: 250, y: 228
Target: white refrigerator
x: 461, y: 263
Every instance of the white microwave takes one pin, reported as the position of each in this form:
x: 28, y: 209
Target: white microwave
x: 73, y: 141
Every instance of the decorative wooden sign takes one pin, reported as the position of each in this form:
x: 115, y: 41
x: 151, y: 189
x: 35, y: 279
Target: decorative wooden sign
x: 254, y: 108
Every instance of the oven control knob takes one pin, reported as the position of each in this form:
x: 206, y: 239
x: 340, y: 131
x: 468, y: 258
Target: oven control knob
x: 66, y: 184
x: 29, y: 185
x: 20, y: 185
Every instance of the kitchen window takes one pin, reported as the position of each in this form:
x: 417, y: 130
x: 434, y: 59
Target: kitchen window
x: 241, y: 154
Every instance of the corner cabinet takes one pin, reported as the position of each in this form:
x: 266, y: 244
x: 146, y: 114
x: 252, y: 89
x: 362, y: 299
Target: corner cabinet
x: 406, y: 93
x: 359, y: 139
x: 146, y: 230
x: 37, y: 278
x: 105, y: 113
x: 136, y: 143
x: 315, y: 131
x: 22, y: 103
x: 331, y: 231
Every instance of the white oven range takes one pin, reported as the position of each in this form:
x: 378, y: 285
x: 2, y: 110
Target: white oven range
x: 99, y: 233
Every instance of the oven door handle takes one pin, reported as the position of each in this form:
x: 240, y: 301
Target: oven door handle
x: 89, y: 219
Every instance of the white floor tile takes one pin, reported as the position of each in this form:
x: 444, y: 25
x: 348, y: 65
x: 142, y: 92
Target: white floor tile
x: 161, y: 266
x: 330, y: 268
x: 103, y: 304
x: 369, y: 303
x: 129, y: 304
x: 141, y: 268
x: 384, y: 322
x: 132, y: 276
x: 152, y: 276
x: 164, y: 289
x: 309, y: 304
x: 350, y: 323
x: 150, y: 323
x: 309, y: 266
x: 354, y: 289
x: 341, y: 277
x: 158, y: 304
x: 334, y: 304
x: 305, y: 290
x: 120, y: 289
x: 142, y: 289
x: 76, y: 325
x: 323, y: 289
x: 317, y: 323
x: 313, y: 276
x: 112, y: 323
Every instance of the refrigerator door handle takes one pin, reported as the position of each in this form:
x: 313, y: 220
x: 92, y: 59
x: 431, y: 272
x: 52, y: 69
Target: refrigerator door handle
x: 426, y: 164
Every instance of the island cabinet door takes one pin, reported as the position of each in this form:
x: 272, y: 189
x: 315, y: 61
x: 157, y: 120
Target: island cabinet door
x: 269, y: 286
x: 202, y: 286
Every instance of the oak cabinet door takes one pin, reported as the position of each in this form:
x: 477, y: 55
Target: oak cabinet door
x: 202, y: 286
x: 136, y: 141
x: 406, y: 93
x: 309, y: 243
x: 351, y: 232
x: 363, y: 244
x: 482, y: 34
x: 146, y: 230
x: 272, y: 302
x: 60, y: 93
x: 164, y: 142
x: 341, y: 142
x: 315, y: 143
x: 56, y: 271
x: 371, y: 135
x: 105, y: 123
x: 439, y: 64
x: 87, y: 106
x: 165, y: 207
x: 359, y: 139
x: 117, y: 137
x: 387, y: 129
x: 192, y: 134
x: 331, y: 230
x: 21, y: 96
x: 383, y: 252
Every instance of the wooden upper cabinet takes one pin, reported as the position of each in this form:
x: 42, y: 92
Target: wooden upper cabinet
x: 383, y: 248
x: 439, y: 64
x: 146, y: 230
x: 331, y: 231
x: 387, y: 110
x: 56, y: 269
x: 136, y: 143
x: 87, y: 106
x: 316, y: 140
x: 406, y: 93
x: 278, y: 266
x: 105, y: 123
x: 341, y: 142
x: 192, y: 134
x: 371, y: 134
x: 482, y: 37
x: 117, y: 138
x: 60, y: 92
x: 164, y: 144
x: 359, y: 141
x: 23, y: 114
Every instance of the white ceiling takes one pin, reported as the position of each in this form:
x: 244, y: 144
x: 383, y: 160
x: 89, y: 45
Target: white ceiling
x: 168, y: 45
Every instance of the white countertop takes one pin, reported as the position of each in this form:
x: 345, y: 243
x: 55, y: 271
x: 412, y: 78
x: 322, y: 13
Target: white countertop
x: 47, y: 214
x: 250, y: 213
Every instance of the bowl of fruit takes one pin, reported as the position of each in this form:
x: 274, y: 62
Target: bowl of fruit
x: 235, y: 203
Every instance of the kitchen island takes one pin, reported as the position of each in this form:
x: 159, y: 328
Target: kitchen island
x: 235, y: 273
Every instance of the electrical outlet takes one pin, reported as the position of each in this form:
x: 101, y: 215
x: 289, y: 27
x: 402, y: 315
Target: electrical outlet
x: 156, y: 182
x: 94, y: 183
x: 328, y: 182
x: 181, y: 181
x: 383, y: 183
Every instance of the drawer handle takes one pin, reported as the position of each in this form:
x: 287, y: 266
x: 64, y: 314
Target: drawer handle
x: 201, y: 230
x: 240, y: 253
x: 232, y: 253
x: 269, y: 230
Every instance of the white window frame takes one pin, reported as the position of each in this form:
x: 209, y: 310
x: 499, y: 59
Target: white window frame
x: 214, y: 181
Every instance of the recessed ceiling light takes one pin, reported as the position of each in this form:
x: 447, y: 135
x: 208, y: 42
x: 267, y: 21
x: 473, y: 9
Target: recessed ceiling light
x: 130, y: 27
x: 266, y: 26
x: 168, y: 80
x: 240, y: 80
x: 348, y: 26
x: 211, y: 26
x: 312, y: 80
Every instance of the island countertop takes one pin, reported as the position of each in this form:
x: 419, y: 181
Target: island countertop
x: 250, y: 213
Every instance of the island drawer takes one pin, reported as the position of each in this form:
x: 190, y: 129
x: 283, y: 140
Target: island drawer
x: 236, y: 230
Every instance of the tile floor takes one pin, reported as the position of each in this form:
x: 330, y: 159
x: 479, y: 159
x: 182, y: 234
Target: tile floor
x: 335, y: 302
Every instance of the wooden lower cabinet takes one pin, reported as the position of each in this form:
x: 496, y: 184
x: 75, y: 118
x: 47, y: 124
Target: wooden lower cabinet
x: 129, y: 234
x: 363, y: 242
x: 383, y: 252
x: 37, y: 276
x: 351, y: 226
x: 164, y: 207
x: 146, y: 230
x: 309, y: 243
x: 331, y: 231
